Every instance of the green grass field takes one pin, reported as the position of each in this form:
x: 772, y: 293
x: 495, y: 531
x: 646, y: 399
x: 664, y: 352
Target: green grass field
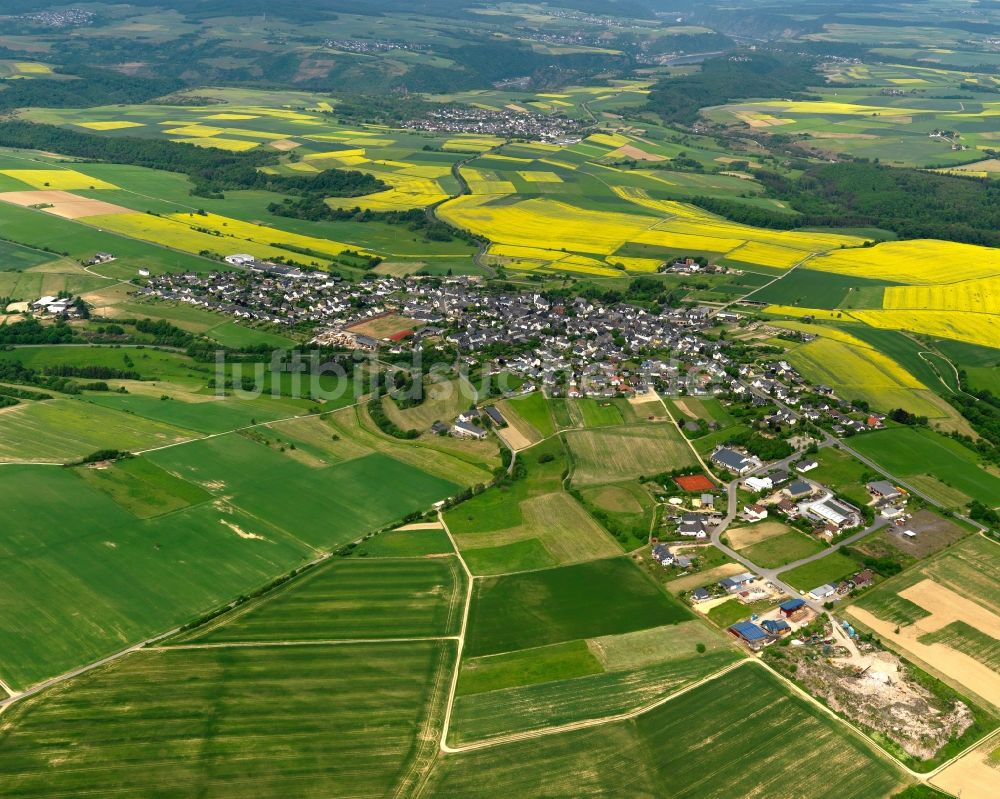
x: 624, y: 453
x: 134, y: 578
x: 555, y: 521
x: 912, y: 452
x: 599, y: 413
x: 967, y: 639
x: 489, y: 714
x: 323, y: 507
x: 527, y: 667
x: 405, y: 544
x: 214, y: 416
x: 268, y: 514
x: 62, y: 430
x: 782, y: 549
x: 530, y: 414
x: 584, y: 600
x: 352, y: 599
x: 142, y: 487
x: 828, y: 569
x: 230, y: 722
x: 751, y: 720
x: 16, y: 257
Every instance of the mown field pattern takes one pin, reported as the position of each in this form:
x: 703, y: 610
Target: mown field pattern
x: 546, y: 607
x: 751, y: 720
x: 353, y: 599
x: 612, y: 454
x: 230, y: 722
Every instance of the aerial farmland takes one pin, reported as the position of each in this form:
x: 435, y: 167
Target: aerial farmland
x: 499, y: 400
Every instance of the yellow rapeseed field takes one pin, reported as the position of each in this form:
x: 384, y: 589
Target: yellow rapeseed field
x: 982, y: 296
x: 975, y: 328
x: 407, y: 192
x: 539, y: 177
x: 61, y: 179
x: 109, y: 125
x: 247, y: 231
x: 860, y: 372
x: 608, y: 139
x: 194, y: 131
x: 545, y: 223
x: 484, y: 181
x: 471, y: 144
x: 917, y: 261
x: 33, y: 68
x: 635, y: 264
x: 757, y: 252
x: 179, y: 236
x: 232, y: 145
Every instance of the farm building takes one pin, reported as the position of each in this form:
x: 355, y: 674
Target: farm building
x: 823, y: 591
x: 830, y: 510
x: 495, y: 416
x: 468, y: 430
x: 776, y: 626
x: 863, y: 578
x: 883, y: 489
x: 758, y: 484
x: 737, y: 581
x: 750, y: 633
x: 239, y: 259
x: 791, y: 607
x: 735, y: 461
x: 798, y: 489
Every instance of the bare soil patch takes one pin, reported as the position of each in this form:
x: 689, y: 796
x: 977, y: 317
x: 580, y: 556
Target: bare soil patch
x: 420, y: 526
x: 640, y: 155
x: 514, y: 438
x: 742, y: 537
x: 959, y: 667
x: 285, y: 144
x: 934, y: 533
x: 62, y: 203
x: 973, y: 776
x: 691, y: 581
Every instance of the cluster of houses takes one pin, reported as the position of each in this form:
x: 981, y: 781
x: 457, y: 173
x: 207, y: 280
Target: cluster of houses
x: 798, y: 498
x: 756, y: 634
x: 506, y: 123
x: 831, y: 591
x: 782, y: 382
x: 574, y: 348
x: 266, y: 292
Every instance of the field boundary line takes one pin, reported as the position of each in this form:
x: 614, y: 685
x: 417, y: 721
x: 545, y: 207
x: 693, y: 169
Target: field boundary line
x: 453, y: 688
x: 687, y: 440
x: 294, y: 642
x: 489, y: 743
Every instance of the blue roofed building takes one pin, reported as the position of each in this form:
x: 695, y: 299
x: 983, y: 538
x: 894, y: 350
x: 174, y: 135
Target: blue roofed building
x: 791, y: 606
x: 750, y: 633
x: 776, y: 626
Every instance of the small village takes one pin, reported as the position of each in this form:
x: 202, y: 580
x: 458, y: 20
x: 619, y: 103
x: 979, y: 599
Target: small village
x: 510, y: 123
